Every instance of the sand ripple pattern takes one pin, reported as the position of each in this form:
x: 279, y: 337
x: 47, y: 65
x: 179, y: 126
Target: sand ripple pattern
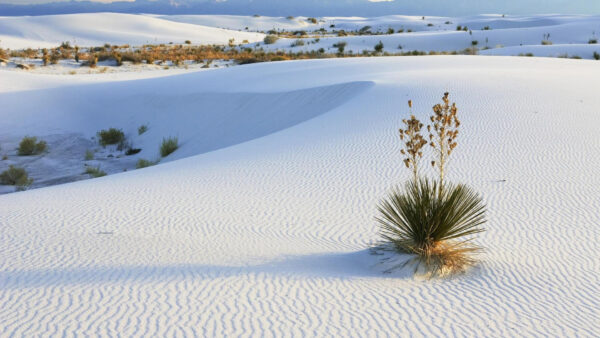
x: 268, y: 237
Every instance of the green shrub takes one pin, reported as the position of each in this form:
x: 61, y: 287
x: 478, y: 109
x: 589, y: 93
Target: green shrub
x: 168, y: 146
x: 593, y: 41
x: 546, y: 42
x: 30, y: 146
x: 94, y: 171
x: 340, y: 46
x: 297, y: 43
x: 270, y: 39
x: 15, y: 176
x: 419, y: 220
x: 596, y: 55
x: 142, y: 129
x: 110, y: 136
x: 142, y: 163
x: 379, y: 47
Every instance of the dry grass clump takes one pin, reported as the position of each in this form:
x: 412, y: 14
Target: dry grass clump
x: 430, y: 219
x: 94, y: 171
x: 110, y: 136
x: 143, y: 163
x: 270, y: 39
x: 168, y: 146
x: 142, y: 129
x: 31, y: 146
x: 15, y: 176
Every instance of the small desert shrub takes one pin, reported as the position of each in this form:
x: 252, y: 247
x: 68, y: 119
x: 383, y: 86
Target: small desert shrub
x: 110, y: 136
x: 596, y: 55
x: 15, y: 176
x: 188, y: 42
x: 546, y: 42
x: 593, y: 41
x: 312, y: 20
x: 297, y: 43
x: 142, y: 163
x: 379, y: 47
x: 89, y: 155
x: 142, y: 129
x: 270, y: 39
x: 94, y: 171
x: 419, y: 220
x: 168, y: 146
x: 340, y: 46
x: 31, y: 146
x: 430, y: 218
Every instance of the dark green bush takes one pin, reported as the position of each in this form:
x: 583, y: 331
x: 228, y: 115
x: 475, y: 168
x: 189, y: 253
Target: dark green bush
x: 30, y: 146
x: 110, y: 136
x: 142, y: 129
x: 15, y: 176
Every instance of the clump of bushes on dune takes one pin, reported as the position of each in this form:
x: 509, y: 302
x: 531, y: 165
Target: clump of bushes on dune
x: 270, y: 39
x: 596, y: 55
x: 15, y: 176
x: 31, y: 146
x: 110, y: 136
x: 168, y: 146
x: 431, y: 220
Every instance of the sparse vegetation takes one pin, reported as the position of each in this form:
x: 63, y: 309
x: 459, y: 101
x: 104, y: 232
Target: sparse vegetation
x: 142, y: 163
x: 94, y: 171
x: 379, y: 47
x: 428, y: 218
x: 15, y: 176
x: 142, y: 129
x: 596, y: 55
x: 31, y: 146
x: 89, y: 155
x: 340, y: 46
x: 593, y: 41
x: 297, y: 43
x: 168, y: 146
x: 110, y: 136
x: 270, y: 39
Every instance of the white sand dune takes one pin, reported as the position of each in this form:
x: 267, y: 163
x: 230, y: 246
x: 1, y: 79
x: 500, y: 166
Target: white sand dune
x: 96, y: 29
x: 570, y: 34
x: 266, y: 234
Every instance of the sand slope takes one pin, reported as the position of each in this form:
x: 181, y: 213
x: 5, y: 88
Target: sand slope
x: 96, y: 29
x: 268, y: 237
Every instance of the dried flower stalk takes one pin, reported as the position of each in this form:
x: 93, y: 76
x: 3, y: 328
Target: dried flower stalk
x: 414, y: 143
x: 442, y: 133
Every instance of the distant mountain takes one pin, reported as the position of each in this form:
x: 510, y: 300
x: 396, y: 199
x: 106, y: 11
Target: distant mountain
x: 309, y: 7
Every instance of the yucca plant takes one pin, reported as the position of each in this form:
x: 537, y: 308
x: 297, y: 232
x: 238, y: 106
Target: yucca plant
x: 419, y: 220
x: 431, y: 219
